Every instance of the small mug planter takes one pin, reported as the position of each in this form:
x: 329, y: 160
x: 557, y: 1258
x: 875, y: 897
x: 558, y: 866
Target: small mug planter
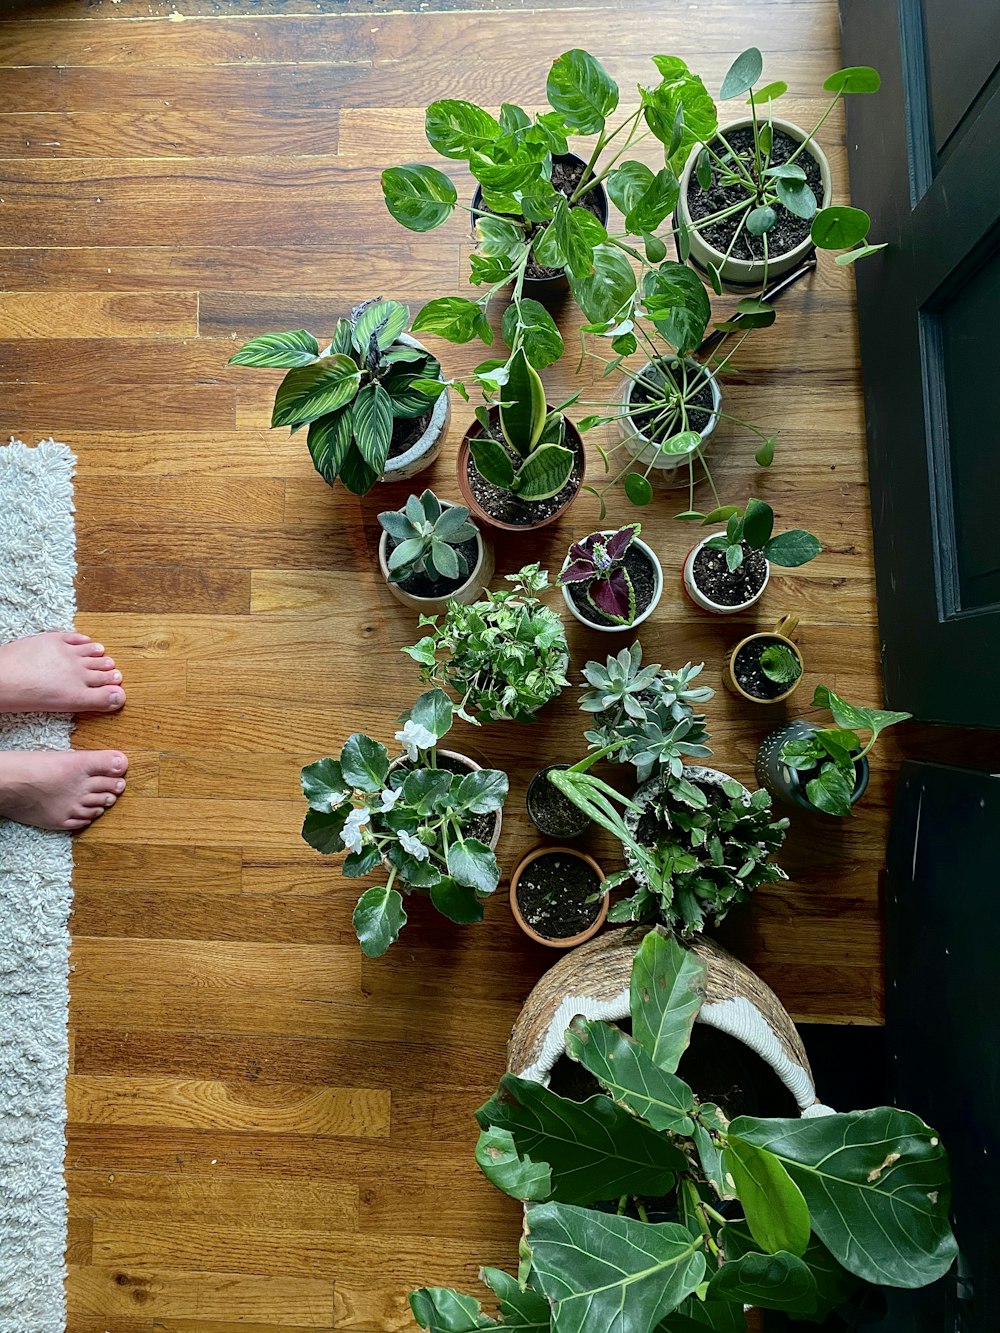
x: 696, y: 773
x: 637, y: 545
x: 551, y: 288
x: 469, y: 591
x: 423, y: 452
x: 473, y: 767
x: 545, y: 805
x: 558, y: 941
x: 465, y: 462
x: 743, y: 273
x: 701, y: 599
x: 789, y: 784
x: 783, y: 633
x: 665, y: 468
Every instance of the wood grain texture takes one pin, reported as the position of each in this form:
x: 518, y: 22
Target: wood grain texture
x: 267, y: 1132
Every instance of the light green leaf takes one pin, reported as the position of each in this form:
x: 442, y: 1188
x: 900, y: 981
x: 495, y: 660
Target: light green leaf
x: 678, y: 304
x: 482, y: 792
x: 770, y: 92
x: 630, y: 1075
x: 502, y: 1165
x: 452, y: 317
x: 862, y: 252
x: 603, y: 293
x: 545, y: 472
x: 419, y: 197
x: 523, y: 410
x: 775, y: 1210
x: 679, y: 87
x: 311, y: 391
x: 364, y: 763
x: 372, y: 423
x: 797, y: 196
x: 848, y: 715
x: 285, y: 350
x: 742, y: 74
x: 764, y: 456
x: 638, y: 489
x: 793, y: 548
x: 582, y: 91
x: 839, y: 227
x: 456, y: 129
x: 386, y: 320
x: 499, y: 238
x: 628, y: 183
x: 854, y: 79
x: 569, y: 239
x: 473, y: 865
x: 542, y: 340
x: 666, y: 991
x: 442, y: 1310
x: 378, y: 919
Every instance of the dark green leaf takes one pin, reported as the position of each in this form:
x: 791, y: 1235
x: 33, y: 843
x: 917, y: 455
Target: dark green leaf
x: 321, y: 782
x: 472, y: 864
x: 492, y: 460
x: 545, y: 472
x: 321, y: 829
x: 851, y: 715
x: 419, y: 197
x: 764, y: 456
x: 679, y: 91
x: 831, y: 790
x: 638, y: 489
x: 666, y: 992
x: 760, y: 220
x: 482, y: 792
x: 355, y: 473
x: 372, y: 424
x: 433, y: 710
x: 311, y: 391
x: 358, y: 864
x: 793, y: 548
x: 364, y: 763
x: 742, y: 74
x: 457, y: 902
x: 525, y: 1310
x: 655, y: 249
x: 378, y: 919
x: 631, y: 1076
x: 542, y: 341
x: 680, y: 307
x: 441, y: 1310
x: 758, y: 523
x: 779, y: 1281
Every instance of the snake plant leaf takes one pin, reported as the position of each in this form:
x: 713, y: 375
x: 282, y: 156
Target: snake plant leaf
x: 775, y: 1210
x: 285, y: 350
x: 523, y: 410
x: 597, y: 1150
x: 520, y: 1307
x: 667, y: 990
x: 877, y: 1187
x: 545, y: 472
x: 503, y: 1166
x: 442, y: 1310
x: 378, y: 919
x: 631, y: 1077
x: 311, y: 391
x: 609, y: 1274
x: 582, y: 91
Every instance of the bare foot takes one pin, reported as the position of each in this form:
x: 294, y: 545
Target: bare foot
x: 58, y: 672
x: 60, y: 789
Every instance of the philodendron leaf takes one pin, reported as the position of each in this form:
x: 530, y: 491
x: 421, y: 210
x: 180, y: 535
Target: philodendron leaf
x: 582, y: 91
x: 831, y: 790
x: 472, y: 864
x: 455, y: 318
x: 313, y: 390
x: 545, y: 472
x: 364, y: 762
x: 609, y: 1274
x: 778, y: 1281
x: 287, y: 350
x: 502, y: 1165
x: 521, y: 1308
x: 848, y: 715
x: 378, y: 919
x: 597, y: 1150
x: 877, y: 1187
x: 678, y: 110
x: 775, y: 1210
x: 666, y: 991
x: 630, y: 1075
x: 683, y: 310
x: 793, y: 548
x: 417, y: 196
x: 442, y: 1310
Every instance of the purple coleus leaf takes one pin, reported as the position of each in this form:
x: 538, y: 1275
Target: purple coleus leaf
x: 585, y: 550
x: 578, y: 571
x: 619, y: 542
x: 614, y: 596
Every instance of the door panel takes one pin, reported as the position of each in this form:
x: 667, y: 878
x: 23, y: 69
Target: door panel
x: 961, y: 58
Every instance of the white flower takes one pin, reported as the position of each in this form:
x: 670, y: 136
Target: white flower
x: 414, y: 737
x: 335, y: 800
x: 389, y: 798
x: 412, y: 844
x: 351, y: 835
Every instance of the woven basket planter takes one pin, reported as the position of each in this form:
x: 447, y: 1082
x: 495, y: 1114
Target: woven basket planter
x: 594, y: 981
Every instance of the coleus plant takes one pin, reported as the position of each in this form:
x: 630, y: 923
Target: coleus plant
x: 795, y: 1215
x: 830, y: 754
x: 753, y: 528
x: 597, y: 565
x: 351, y: 392
x: 429, y: 539
x: 408, y: 819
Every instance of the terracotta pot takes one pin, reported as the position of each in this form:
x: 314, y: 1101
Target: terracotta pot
x: 574, y: 441
x: 744, y: 273
x: 646, y: 452
x: 643, y: 615
x: 789, y: 784
x: 705, y: 603
x: 594, y: 981
x: 570, y: 942
x: 423, y: 452
x: 473, y: 767
x: 469, y: 591
x: 783, y: 632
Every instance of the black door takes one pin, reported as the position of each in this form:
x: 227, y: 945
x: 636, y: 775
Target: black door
x: 925, y: 162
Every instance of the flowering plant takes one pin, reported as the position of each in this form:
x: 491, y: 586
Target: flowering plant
x: 598, y: 563
x: 414, y: 817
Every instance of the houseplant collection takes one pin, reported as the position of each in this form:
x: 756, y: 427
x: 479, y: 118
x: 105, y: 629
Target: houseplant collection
x: 650, y: 1204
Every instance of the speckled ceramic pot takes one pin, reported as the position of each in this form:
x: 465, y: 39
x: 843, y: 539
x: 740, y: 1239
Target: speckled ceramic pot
x: 422, y: 453
x: 789, y: 784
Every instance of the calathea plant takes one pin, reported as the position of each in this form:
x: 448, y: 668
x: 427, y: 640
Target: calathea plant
x: 351, y: 392
x: 753, y: 528
x: 410, y: 819
x: 781, y: 1214
x: 429, y: 538
x: 505, y: 656
x: 597, y: 565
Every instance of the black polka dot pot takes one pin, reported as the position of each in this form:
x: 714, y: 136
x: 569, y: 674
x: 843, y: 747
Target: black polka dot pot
x: 789, y: 784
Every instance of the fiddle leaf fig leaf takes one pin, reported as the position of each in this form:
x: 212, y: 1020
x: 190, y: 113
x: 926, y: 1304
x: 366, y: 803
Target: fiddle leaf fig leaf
x: 630, y: 1076
x: 521, y: 1307
x: 441, y: 1310
x: 780, y: 1281
x: 503, y: 1166
x: 666, y: 991
x: 776, y: 1212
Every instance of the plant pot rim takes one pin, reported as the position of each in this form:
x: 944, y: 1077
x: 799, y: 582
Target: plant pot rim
x: 536, y: 778
x: 637, y: 441
x: 779, y: 638
x: 473, y: 768
x: 473, y: 505
x: 441, y: 597
x: 440, y: 412
x: 747, y: 270
x: 654, y: 601
x: 797, y: 781
x: 688, y: 572
x: 570, y: 941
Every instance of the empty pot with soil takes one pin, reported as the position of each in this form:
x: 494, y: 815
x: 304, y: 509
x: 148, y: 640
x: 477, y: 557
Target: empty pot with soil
x: 713, y: 586
x: 697, y: 399
x: 552, y: 813
x: 765, y: 668
x: 741, y: 262
x: 418, y: 533
x: 556, y: 897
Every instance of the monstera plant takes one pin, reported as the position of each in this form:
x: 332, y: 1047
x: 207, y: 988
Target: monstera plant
x: 791, y: 1215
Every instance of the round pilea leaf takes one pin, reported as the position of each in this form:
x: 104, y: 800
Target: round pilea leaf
x: 638, y: 489
x: 839, y: 227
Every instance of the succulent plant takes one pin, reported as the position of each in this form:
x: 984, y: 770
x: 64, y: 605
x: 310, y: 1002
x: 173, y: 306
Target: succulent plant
x: 429, y: 538
x: 598, y: 564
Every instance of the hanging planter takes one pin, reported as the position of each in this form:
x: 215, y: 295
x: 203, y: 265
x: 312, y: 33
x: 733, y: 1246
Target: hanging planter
x: 702, y: 398
x: 553, y: 814
x: 413, y: 560
x: 766, y: 668
x: 556, y: 898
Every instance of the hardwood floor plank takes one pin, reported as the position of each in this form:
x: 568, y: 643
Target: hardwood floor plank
x: 98, y: 314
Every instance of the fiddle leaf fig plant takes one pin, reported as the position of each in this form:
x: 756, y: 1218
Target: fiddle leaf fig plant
x: 753, y: 528
x: 410, y: 819
x: 351, y: 392
x: 794, y: 1215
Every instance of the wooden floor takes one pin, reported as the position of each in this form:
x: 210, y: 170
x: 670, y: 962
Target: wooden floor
x: 264, y: 1131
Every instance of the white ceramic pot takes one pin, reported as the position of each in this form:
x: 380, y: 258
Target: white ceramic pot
x: 473, y: 767
x: 644, y: 615
x: 706, y: 603
x: 423, y: 452
x: 696, y: 773
x: 664, y: 466
x: 743, y: 273
x: 469, y: 591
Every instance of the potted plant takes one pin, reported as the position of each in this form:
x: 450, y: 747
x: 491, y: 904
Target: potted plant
x: 647, y: 1206
x: 521, y: 463
x: 430, y: 819
x: 727, y: 572
x: 755, y: 196
x: 823, y: 768
x: 373, y: 399
x: 556, y: 896
x: 766, y: 667
x: 505, y: 656
x: 549, y: 810
x: 611, y: 580
x: 429, y: 552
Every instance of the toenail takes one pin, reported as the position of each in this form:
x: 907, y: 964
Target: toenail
x: 110, y: 799
x: 116, y: 697
x: 120, y: 786
x: 117, y: 766
x: 116, y: 676
x: 98, y: 649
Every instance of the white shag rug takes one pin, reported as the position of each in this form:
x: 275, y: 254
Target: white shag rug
x: 37, y: 568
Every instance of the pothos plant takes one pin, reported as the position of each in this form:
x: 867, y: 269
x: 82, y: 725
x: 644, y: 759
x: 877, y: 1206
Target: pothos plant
x: 505, y: 656
x: 409, y: 819
x: 793, y: 1215
x: 352, y: 391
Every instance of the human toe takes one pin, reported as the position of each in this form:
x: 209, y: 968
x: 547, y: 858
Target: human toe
x: 108, y: 699
x: 107, y: 764
x: 91, y: 649
x: 75, y: 638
